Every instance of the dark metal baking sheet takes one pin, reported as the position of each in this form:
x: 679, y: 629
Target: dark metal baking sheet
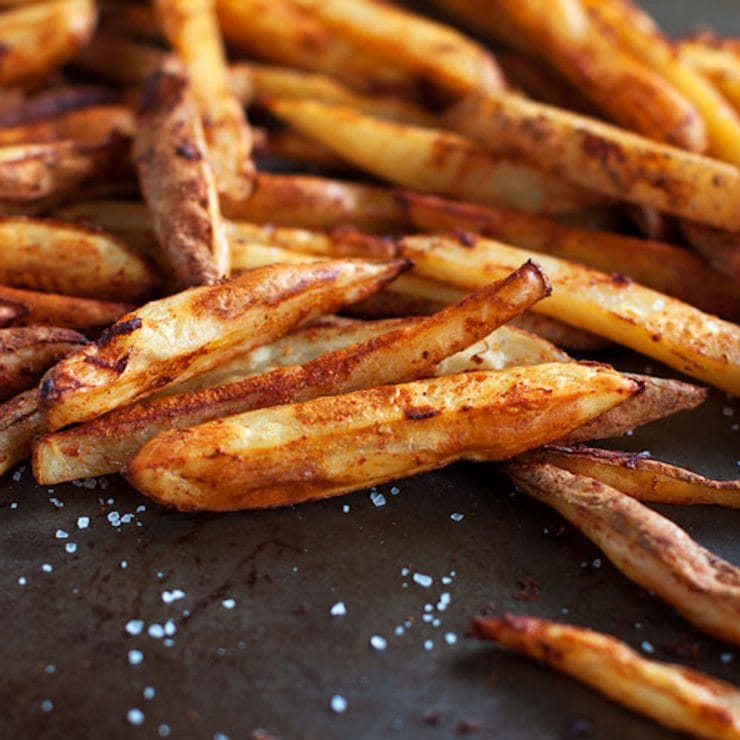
x: 246, y: 600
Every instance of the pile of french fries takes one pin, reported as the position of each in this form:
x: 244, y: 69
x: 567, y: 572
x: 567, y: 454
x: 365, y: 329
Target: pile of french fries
x: 170, y: 307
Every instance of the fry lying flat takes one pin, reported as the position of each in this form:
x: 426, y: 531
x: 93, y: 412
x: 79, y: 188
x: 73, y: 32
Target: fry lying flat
x: 672, y: 695
x: 661, y: 327
x: 189, y: 333
x: 332, y: 445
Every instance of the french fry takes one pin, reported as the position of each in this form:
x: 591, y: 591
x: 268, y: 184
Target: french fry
x: 661, y: 327
x: 434, y: 160
x: 616, y: 81
x: 191, y: 27
x: 648, y: 548
x: 721, y: 66
x: 37, y: 38
x: 640, y: 36
x: 58, y: 257
x: 178, y: 182
x: 21, y: 420
x: 189, y: 333
x: 602, y: 157
x: 659, y: 398
x: 93, y: 123
x: 315, y: 202
x: 560, y: 334
x: 287, y: 144
x: 674, y: 696
x: 406, y: 352
x: 11, y: 313
x: 331, y: 445
x: 642, y: 477
x: 657, y: 265
x: 721, y: 249
x: 132, y: 19
x: 31, y: 308
x: 27, y: 352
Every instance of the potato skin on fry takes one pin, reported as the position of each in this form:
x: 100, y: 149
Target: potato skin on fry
x: 178, y: 182
x: 673, y: 695
x: 21, y: 420
x: 331, y: 445
x: 187, y: 334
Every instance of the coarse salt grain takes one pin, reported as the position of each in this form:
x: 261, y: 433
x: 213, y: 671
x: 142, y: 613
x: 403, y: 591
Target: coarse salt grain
x: 228, y: 603
x: 346, y: 508
x: 61, y: 534
x: 47, y: 705
x: 726, y: 657
x: 457, y: 517
x: 422, y: 580
x: 47, y: 567
x: 378, y: 642
x: 450, y: 638
x: 134, y: 626
x: 148, y: 692
x: 338, y: 610
x: 135, y: 716
x: 22, y: 581
x: 428, y: 644
x: 83, y: 522
x: 156, y: 631
x: 378, y: 499
x: 647, y: 646
x: 135, y: 657
x: 70, y: 548
x: 163, y: 730
x: 169, y: 628
x: 338, y: 704
x: 169, y: 596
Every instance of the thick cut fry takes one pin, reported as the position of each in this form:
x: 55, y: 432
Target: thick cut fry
x: 187, y: 334
x: 30, y: 308
x: 434, y: 160
x: 666, y: 268
x: 640, y: 36
x: 20, y: 421
x: 721, y: 249
x: 643, y: 478
x: 648, y: 548
x: 58, y: 257
x: 658, y: 399
x: 672, y: 695
x: 93, y: 123
x: 675, y: 333
x: 37, y: 38
x: 317, y: 202
x: 178, y: 182
x: 599, y: 156
x: 407, y: 352
x: 26, y: 353
x: 332, y: 445
x: 192, y: 29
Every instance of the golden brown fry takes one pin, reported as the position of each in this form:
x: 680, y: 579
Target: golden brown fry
x: 187, y: 334
x: 20, y: 421
x: 178, y: 182
x: 72, y: 259
x: 672, y: 695
x: 661, y: 327
x: 316, y: 202
x: 627, y: 89
x: 560, y: 334
x: 665, y: 268
x: 433, y: 160
x: 648, y: 548
x: 35, y: 39
x: 721, y: 249
x: 287, y: 144
x: 642, y: 477
x: 93, y: 123
x: 721, y: 66
x: 331, y: 445
x: 11, y: 313
x: 27, y: 352
x: 191, y: 27
x: 406, y: 352
x: 659, y: 397
x: 640, y: 36
x: 48, y: 309
x: 607, y: 159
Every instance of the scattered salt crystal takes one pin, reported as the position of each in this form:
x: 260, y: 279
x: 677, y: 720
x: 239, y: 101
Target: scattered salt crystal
x: 22, y: 581
x: 14, y: 505
x: 220, y: 736
x: 164, y: 730
x: 596, y: 563
x: 338, y: 610
x: 399, y: 630
x: 378, y: 642
x: 422, y: 580
x: 47, y: 567
x: 167, y: 642
x: 169, y: 596
x: 149, y: 692
x: 436, y: 622
x: 450, y: 638
x: 565, y: 610
x: 395, y: 490
x: 141, y: 508
x: 377, y: 498
x: 453, y: 573
x: 50, y: 669
x: 728, y: 411
x: 638, y: 625
x: 156, y: 631
x: 428, y: 644
x: 456, y: 517
x: 405, y: 571
x: 83, y: 522
x: 647, y: 646
x: 110, y: 501
x: 346, y: 508
x: 127, y: 518
x: 123, y: 564
x: 135, y: 657
x: 726, y: 657
x: 17, y: 476
x: 70, y: 548
x: 228, y: 603
x: 444, y: 600
x: 404, y: 585
x: 446, y: 580
x: 47, y: 705
x: 169, y: 628
x: 134, y: 626
x: 135, y: 716
x: 114, y: 518
x: 59, y: 504
x: 428, y: 607
x: 338, y: 704
x: 427, y: 617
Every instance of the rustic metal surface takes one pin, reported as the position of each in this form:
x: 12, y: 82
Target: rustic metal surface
x: 237, y: 632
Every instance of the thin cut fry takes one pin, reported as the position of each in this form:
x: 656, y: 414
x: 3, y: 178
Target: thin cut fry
x: 642, y: 477
x: 20, y: 421
x: 661, y: 327
x: 406, y: 352
x: 331, y: 445
x: 189, y: 333
x: 648, y: 548
x: 672, y: 695
x: 178, y: 182
x: 607, y: 159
